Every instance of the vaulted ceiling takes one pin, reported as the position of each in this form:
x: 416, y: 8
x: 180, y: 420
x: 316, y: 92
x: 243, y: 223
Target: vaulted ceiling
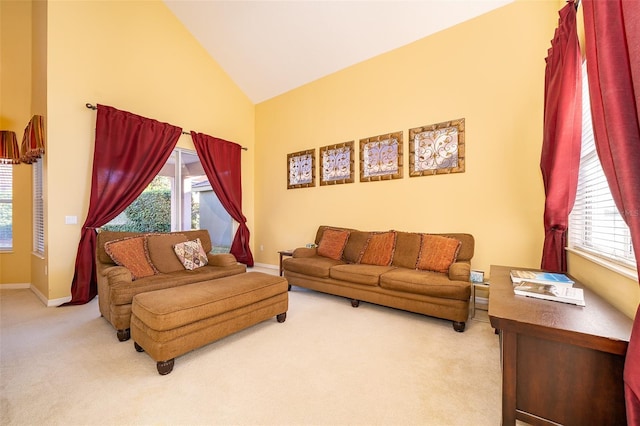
x: 271, y: 47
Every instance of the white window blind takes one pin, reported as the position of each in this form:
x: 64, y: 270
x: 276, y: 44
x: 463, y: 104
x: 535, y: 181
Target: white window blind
x: 6, y: 207
x: 595, y: 225
x: 38, y: 209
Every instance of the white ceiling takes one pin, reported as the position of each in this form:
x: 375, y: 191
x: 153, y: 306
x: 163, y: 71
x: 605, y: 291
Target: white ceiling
x: 271, y: 47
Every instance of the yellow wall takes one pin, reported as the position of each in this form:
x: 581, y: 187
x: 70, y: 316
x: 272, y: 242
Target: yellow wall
x: 490, y: 71
x: 15, y: 113
x: 135, y: 56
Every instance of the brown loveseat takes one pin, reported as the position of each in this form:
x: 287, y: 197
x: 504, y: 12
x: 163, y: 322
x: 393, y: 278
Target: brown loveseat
x: 395, y: 269
x: 117, y: 284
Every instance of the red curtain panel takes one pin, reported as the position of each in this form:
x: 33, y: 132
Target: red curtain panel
x: 612, y: 42
x: 221, y: 162
x: 129, y: 152
x: 562, y: 131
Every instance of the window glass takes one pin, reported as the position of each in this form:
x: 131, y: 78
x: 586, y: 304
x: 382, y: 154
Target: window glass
x: 6, y: 207
x: 179, y: 198
x: 595, y: 225
x: 38, y: 209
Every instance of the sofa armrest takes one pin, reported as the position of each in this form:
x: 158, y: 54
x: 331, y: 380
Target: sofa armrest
x: 460, y: 271
x: 222, y: 259
x: 117, y: 274
x: 305, y: 252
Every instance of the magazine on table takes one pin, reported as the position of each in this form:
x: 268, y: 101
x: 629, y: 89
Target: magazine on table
x: 553, y: 292
x: 518, y: 276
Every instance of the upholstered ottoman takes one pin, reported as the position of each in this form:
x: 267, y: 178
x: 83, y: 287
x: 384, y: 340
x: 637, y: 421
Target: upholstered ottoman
x: 168, y: 323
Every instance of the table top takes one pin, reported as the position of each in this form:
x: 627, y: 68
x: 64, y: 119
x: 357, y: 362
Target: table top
x: 598, y: 325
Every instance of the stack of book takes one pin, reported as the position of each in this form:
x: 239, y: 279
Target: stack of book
x: 546, y: 285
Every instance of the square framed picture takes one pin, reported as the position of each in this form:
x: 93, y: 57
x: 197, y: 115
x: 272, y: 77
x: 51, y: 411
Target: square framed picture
x: 301, y: 169
x: 337, y: 164
x: 381, y: 157
x: 437, y: 148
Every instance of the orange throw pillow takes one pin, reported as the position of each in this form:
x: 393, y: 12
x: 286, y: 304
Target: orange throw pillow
x: 379, y: 249
x: 332, y: 243
x: 132, y: 254
x: 437, y: 253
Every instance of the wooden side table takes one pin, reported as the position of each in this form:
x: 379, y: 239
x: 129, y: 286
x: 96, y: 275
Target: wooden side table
x: 561, y: 363
x: 282, y: 254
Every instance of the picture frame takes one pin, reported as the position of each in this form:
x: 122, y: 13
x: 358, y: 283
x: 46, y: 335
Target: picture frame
x: 301, y: 169
x: 437, y: 148
x: 337, y: 164
x: 381, y: 157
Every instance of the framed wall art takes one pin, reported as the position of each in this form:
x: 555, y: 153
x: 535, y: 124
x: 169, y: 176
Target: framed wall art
x: 437, y: 149
x: 381, y: 157
x: 336, y: 164
x: 301, y: 169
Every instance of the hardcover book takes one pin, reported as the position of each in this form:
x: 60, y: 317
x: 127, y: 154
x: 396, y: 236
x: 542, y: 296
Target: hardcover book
x: 563, y: 294
x: 518, y: 276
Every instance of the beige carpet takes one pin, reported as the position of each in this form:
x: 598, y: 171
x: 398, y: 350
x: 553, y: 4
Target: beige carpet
x: 328, y: 364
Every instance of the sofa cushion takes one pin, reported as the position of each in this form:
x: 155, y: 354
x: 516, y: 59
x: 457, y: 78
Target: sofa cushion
x: 191, y: 254
x: 427, y: 283
x: 161, y: 251
x: 122, y: 292
x: 332, y: 243
x: 131, y: 253
x: 437, y: 253
x: 359, y: 273
x: 407, y: 249
x: 379, y: 249
x: 355, y: 246
x: 222, y: 259
x: 316, y: 266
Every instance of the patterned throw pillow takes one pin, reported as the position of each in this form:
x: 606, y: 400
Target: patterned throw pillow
x: 131, y: 253
x: 437, y: 253
x: 379, y: 249
x: 332, y: 243
x: 191, y: 254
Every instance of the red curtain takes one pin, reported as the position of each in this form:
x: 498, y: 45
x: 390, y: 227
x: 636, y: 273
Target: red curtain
x: 612, y: 41
x: 562, y: 131
x: 129, y: 152
x: 221, y: 162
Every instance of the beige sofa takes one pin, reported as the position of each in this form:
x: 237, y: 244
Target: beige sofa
x: 390, y: 269
x: 117, y: 284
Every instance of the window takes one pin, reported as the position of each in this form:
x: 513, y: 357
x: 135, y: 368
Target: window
x: 38, y: 209
x: 595, y: 225
x: 6, y: 207
x: 179, y: 198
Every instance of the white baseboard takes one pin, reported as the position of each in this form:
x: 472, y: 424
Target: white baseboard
x: 14, y: 286
x: 266, y: 265
x: 38, y: 293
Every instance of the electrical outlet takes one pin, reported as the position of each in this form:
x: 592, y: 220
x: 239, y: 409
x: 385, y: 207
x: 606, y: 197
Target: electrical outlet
x: 261, y: 247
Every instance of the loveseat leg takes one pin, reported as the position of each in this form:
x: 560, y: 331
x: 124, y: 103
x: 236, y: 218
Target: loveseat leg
x: 165, y: 367
x: 138, y: 347
x: 459, y: 326
x: 123, y: 335
x: 281, y: 317
x: 355, y: 303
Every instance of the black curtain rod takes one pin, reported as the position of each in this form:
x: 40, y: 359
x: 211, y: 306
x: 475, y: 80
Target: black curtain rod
x: 93, y: 107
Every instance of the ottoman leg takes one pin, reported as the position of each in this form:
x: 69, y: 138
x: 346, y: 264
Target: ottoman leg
x: 138, y: 347
x: 165, y: 367
x: 281, y: 317
x: 123, y: 335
